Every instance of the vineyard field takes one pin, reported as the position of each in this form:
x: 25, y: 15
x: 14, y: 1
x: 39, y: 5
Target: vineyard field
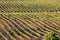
x: 29, y: 19
x: 20, y: 26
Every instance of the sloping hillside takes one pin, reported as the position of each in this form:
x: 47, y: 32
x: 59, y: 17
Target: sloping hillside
x: 30, y: 6
x: 28, y: 25
x: 29, y: 19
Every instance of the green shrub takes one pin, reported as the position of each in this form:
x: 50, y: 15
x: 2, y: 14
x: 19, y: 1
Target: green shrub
x: 52, y: 36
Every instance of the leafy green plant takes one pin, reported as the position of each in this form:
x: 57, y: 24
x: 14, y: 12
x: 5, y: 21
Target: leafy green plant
x: 52, y: 36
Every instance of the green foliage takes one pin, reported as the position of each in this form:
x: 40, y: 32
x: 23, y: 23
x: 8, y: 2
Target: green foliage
x: 52, y: 36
